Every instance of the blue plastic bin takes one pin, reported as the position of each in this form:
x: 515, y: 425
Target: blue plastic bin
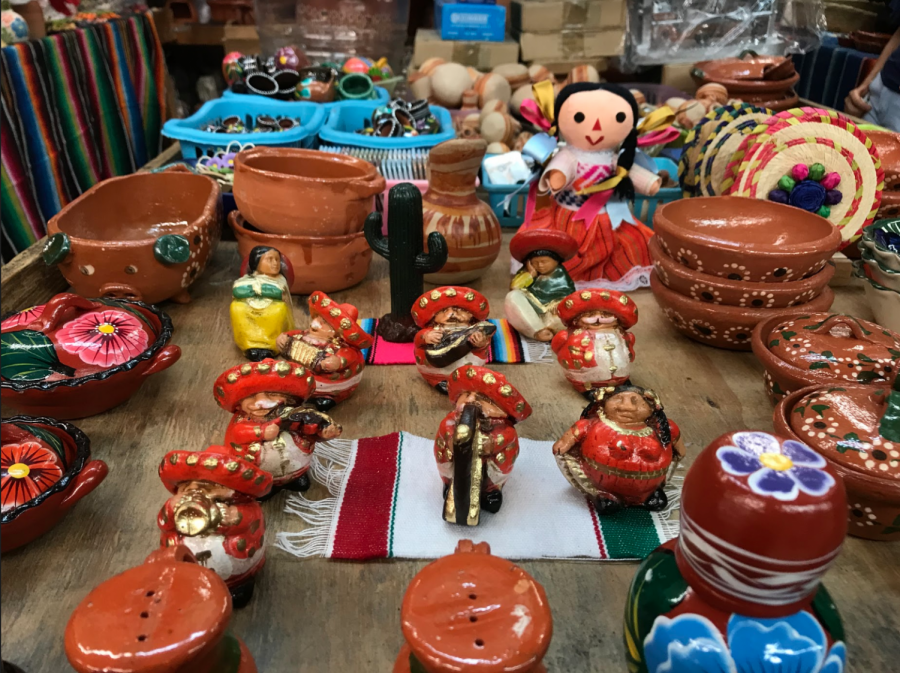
x: 382, y: 96
x: 196, y: 143
x: 348, y: 116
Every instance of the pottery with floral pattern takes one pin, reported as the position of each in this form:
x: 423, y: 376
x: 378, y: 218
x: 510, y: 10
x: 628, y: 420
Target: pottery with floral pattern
x: 762, y: 520
x: 73, y: 357
x: 45, y: 468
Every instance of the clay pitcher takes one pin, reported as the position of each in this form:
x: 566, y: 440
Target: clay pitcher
x: 451, y: 208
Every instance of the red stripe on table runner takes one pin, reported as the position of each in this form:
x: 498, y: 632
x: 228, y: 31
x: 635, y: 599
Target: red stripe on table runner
x: 364, y: 518
x: 595, y: 520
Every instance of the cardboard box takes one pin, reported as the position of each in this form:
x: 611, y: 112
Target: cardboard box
x: 572, y: 44
x: 244, y: 39
x: 540, y: 16
x: 562, y: 68
x: 455, y: 21
x: 481, y: 55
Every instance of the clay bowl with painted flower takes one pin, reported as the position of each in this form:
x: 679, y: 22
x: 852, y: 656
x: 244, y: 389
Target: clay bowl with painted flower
x: 745, y: 239
x: 47, y: 468
x: 715, y: 290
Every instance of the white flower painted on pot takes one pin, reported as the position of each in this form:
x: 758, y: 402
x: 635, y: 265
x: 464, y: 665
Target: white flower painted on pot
x: 689, y: 258
x: 803, y: 298
x: 734, y: 271
x: 758, y: 299
x: 675, y: 318
x: 781, y: 273
x: 738, y: 334
x: 703, y: 329
x: 705, y: 293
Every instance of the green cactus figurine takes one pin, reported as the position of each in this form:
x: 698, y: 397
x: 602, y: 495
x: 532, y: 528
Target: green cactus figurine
x: 404, y: 250
x: 890, y: 421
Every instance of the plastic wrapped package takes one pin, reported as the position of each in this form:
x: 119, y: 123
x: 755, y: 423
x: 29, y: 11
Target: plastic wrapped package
x: 685, y: 31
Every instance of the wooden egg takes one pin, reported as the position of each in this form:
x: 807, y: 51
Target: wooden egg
x: 448, y: 82
x: 520, y: 95
x: 498, y: 127
x: 584, y: 73
x: 676, y: 102
x: 497, y: 148
x: 430, y: 64
x: 538, y: 73
x: 515, y: 73
x: 469, y: 100
x: 521, y: 139
x: 420, y: 85
x: 711, y: 95
x: 493, y: 86
x: 472, y: 121
x: 689, y: 113
x: 493, y: 106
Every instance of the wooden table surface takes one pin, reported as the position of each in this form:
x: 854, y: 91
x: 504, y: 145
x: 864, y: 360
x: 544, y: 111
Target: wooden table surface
x: 323, y: 616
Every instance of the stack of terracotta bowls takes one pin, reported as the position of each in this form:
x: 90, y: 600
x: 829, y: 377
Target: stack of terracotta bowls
x: 309, y: 205
x: 725, y: 263
x: 764, y: 81
x: 879, y: 269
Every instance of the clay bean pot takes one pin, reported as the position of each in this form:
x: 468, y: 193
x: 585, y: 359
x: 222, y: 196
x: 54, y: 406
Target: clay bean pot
x: 715, y: 290
x: 841, y: 424
x: 748, y: 75
x: 145, y: 236
x: 887, y: 144
x: 47, y: 468
x: 784, y: 101
x: 298, y: 192
x: 74, y: 357
x: 326, y: 263
x: 830, y: 349
x: 745, y: 239
x: 316, y: 85
x: 719, y: 325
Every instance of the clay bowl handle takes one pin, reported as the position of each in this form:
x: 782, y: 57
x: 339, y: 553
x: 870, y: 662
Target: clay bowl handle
x: 469, y: 547
x: 57, y: 307
x: 177, y: 554
x: 87, y: 480
x: 855, y: 328
x: 164, y: 359
x: 368, y: 186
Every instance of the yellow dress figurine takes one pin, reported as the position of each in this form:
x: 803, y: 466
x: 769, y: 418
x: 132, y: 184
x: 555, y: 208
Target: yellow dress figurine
x: 261, y: 307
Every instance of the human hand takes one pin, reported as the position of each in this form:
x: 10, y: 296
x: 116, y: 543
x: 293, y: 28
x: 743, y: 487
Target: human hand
x: 556, y: 179
x: 432, y: 337
x: 855, y: 102
x: 271, y: 431
x: 331, y: 364
x: 478, y: 340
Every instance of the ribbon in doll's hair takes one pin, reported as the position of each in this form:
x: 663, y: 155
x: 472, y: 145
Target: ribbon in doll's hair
x: 540, y: 110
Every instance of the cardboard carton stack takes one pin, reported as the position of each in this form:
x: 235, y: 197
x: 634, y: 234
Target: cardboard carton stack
x: 469, y: 32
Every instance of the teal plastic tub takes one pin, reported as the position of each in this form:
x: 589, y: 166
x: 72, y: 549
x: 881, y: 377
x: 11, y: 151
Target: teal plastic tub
x: 348, y: 116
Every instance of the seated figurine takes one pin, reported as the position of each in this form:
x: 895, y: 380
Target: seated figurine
x: 537, y: 289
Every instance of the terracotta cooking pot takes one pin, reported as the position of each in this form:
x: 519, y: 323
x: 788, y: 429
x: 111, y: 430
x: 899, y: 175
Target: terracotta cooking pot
x: 297, y: 192
x: 890, y: 204
x: 715, y: 290
x: 887, y: 144
x: 719, y: 325
x: 745, y: 239
x: 30, y: 443
x: 747, y: 75
x: 74, y: 357
x: 145, y: 236
x: 325, y: 263
x: 790, y: 99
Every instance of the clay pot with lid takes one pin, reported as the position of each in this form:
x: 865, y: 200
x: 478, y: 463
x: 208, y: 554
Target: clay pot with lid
x: 297, y: 192
x: 168, y: 615
x: 472, y: 612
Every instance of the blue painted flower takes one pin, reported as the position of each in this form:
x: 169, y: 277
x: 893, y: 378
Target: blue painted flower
x: 688, y: 643
x: 777, y: 469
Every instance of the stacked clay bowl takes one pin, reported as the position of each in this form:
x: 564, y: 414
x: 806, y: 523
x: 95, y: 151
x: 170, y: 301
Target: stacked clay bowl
x: 311, y: 206
x: 765, y: 81
x: 879, y: 269
x: 723, y: 264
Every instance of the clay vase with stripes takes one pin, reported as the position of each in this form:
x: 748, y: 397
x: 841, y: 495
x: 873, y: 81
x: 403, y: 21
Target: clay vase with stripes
x: 451, y: 208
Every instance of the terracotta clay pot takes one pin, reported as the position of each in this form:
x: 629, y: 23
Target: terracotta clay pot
x: 850, y: 414
x: 145, y: 236
x: 472, y: 612
x: 802, y: 349
x: 888, y: 145
x: 719, y: 325
x: 748, y: 75
x: 73, y: 357
x: 745, y: 239
x: 326, y: 263
x: 715, y: 290
x: 890, y: 204
x: 298, y: 192
x: 29, y: 442
x: 451, y: 208
x: 168, y: 615
x: 316, y: 85
x: 785, y: 101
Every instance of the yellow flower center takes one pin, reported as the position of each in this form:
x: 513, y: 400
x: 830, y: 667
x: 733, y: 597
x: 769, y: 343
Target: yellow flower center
x: 106, y: 328
x: 18, y: 470
x: 776, y: 461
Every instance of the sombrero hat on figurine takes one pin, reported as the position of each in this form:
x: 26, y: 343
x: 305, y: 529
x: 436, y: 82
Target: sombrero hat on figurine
x: 215, y: 465
x: 492, y: 385
x: 433, y: 302
x: 341, y: 317
x: 273, y: 376
x: 582, y: 301
x: 542, y: 242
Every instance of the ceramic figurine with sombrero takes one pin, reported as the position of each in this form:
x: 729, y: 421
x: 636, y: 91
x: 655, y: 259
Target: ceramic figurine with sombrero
x: 214, y: 513
x: 537, y: 289
x: 596, y: 349
x: 453, y: 331
x: 269, y: 427
x: 477, y: 444
x: 331, y: 348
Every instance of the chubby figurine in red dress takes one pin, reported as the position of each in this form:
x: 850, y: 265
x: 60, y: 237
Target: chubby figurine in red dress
x: 331, y: 348
x: 620, y: 452
x: 453, y: 331
x: 596, y: 350
x: 214, y: 513
x: 269, y: 428
x: 476, y: 444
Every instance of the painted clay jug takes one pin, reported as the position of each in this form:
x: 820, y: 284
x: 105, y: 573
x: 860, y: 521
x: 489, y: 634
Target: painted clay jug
x: 762, y: 520
x: 168, y: 615
x: 451, y: 208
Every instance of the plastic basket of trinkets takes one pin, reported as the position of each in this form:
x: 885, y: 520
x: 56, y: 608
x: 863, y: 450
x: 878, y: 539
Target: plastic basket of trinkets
x: 247, y: 119
x: 398, y: 124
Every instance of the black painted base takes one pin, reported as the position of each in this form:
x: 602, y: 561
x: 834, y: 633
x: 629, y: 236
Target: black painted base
x: 397, y: 330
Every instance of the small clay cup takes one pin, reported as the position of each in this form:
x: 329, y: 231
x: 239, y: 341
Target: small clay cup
x: 326, y: 263
x: 745, y: 239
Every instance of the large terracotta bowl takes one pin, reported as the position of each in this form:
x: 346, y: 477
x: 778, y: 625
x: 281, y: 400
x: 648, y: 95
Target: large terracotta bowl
x: 325, y: 263
x: 145, y: 236
x: 36, y: 447
x: 300, y: 192
x: 745, y: 239
x: 746, y: 76
x: 715, y: 290
x: 888, y: 145
x: 719, y: 325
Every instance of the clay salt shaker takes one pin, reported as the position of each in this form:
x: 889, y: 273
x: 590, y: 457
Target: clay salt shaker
x: 472, y: 612
x: 451, y: 208
x: 168, y: 615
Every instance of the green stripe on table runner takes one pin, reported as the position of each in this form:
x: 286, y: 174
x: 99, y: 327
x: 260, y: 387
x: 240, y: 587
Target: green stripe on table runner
x: 390, y: 553
x: 629, y: 534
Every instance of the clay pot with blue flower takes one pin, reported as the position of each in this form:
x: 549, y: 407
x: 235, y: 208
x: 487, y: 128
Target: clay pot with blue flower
x: 811, y: 188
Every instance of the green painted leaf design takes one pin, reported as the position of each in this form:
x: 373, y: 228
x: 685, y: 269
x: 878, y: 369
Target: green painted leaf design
x: 774, y: 342
x: 788, y: 334
x: 46, y: 436
x: 820, y: 408
x: 864, y: 358
x: 800, y: 410
x: 868, y: 377
x: 851, y: 443
x: 776, y: 389
x: 28, y: 355
x: 819, y: 365
x: 894, y: 352
x: 828, y: 354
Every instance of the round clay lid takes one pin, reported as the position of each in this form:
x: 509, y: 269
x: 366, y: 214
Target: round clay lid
x: 158, y: 616
x: 477, y: 612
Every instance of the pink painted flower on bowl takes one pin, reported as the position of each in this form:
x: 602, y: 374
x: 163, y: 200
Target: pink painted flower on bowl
x: 26, y: 317
x: 26, y: 470
x: 104, y: 338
